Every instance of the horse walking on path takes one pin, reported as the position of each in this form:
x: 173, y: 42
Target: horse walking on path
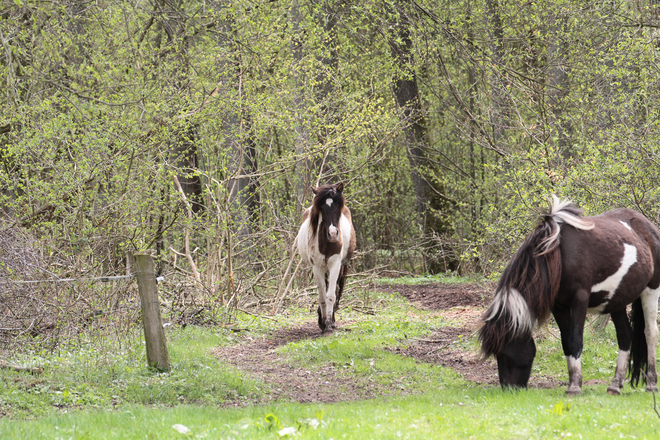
x: 568, y: 266
x: 326, y: 241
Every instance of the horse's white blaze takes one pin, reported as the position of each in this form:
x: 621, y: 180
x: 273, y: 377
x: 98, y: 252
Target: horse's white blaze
x: 611, y: 283
x: 626, y: 225
x: 513, y: 302
x: 329, y: 201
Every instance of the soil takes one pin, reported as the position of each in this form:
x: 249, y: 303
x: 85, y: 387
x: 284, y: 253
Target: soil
x: 461, y: 304
x: 293, y: 383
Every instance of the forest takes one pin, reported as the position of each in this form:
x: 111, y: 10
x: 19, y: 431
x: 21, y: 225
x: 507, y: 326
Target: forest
x: 194, y: 130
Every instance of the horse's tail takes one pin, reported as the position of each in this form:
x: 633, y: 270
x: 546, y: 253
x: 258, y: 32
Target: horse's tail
x: 527, y: 289
x: 638, y: 348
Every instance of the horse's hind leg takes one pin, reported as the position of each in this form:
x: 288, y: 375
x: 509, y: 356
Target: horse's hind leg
x: 623, y: 337
x: 340, y: 288
x: 650, y: 305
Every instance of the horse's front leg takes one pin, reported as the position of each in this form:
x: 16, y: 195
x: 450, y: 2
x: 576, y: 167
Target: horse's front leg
x: 319, y: 277
x: 334, y: 267
x: 623, y: 337
x: 571, y: 326
x: 650, y: 306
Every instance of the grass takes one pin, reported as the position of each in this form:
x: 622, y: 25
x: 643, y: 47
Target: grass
x: 92, y: 392
x: 428, y: 279
x: 85, y: 377
x: 451, y: 413
x: 361, y: 352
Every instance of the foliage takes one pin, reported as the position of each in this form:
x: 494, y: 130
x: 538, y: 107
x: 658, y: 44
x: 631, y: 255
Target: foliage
x: 193, y: 131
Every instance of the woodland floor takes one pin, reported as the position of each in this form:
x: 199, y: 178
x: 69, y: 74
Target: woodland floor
x: 459, y: 304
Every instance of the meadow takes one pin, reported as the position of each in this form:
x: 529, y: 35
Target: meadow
x: 91, y: 391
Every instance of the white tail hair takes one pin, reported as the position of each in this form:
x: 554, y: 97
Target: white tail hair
x: 561, y: 215
x: 563, y: 211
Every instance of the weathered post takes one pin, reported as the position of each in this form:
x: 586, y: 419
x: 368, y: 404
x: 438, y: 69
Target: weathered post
x: 154, y: 335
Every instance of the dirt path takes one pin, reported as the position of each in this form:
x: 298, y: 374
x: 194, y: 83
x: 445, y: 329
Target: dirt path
x: 460, y: 304
x: 293, y: 383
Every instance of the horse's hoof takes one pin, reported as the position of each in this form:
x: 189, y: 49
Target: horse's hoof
x: 613, y: 391
x: 327, y: 332
x: 574, y: 391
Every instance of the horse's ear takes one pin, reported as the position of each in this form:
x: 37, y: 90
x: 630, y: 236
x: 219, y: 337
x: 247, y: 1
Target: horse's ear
x: 339, y: 187
x: 314, y: 190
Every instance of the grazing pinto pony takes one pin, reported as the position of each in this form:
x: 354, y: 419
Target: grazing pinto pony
x: 326, y: 241
x: 568, y: 266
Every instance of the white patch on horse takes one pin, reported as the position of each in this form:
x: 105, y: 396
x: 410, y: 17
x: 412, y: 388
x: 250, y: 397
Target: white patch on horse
x: 626, y: 225
x: 611, y: 283
x: 620, y: 372
x: 574, y: 373
x: 329, y: 201
x: 650, y: 306
x: 334, y: 232
x: 573, y: 363
x: 513, y: 302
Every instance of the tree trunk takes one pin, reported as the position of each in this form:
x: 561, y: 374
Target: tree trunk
x: 302, y: 138
x: 433, y: 206
x: 558, y: 85
x: 499, y: 115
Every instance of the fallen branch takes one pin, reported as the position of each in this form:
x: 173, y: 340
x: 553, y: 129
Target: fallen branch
x: 431, y: 341
x: 34, y: 370
x: 255, y: 315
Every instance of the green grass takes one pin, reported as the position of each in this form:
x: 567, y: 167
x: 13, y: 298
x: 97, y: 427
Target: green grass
x: 427, y: 279
x: 92, y: 392
x: 115, y: 376
x: 451, y: 413
x: 359, y: 350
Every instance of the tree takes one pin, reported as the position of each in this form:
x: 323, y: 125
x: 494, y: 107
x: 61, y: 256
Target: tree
x: 433, y: 205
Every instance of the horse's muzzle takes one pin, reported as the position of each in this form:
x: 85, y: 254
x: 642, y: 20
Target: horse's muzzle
x: 333, y: 234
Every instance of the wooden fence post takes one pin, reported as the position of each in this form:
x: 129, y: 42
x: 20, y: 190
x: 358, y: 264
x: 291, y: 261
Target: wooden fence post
x: 154, y: 335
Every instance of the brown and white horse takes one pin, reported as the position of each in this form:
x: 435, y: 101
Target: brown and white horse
x: 568, y: 266
x: 326, y: 241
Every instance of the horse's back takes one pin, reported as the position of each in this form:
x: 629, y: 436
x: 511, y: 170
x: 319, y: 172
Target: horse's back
x: 621, y: 249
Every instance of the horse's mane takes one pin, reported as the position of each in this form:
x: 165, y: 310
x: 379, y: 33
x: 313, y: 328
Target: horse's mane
x: 321, y: 194
x: 528, y: 287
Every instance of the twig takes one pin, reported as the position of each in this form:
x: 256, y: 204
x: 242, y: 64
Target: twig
x: 255, y: 315
x: 437, y: 349
x: 655, y: 407
x: 286, y: 289
x: 286, y: 273
x: 191, y: 261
